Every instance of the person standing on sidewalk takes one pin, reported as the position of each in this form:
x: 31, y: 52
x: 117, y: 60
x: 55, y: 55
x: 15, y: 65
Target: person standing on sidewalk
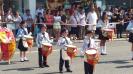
x: 92, y: 19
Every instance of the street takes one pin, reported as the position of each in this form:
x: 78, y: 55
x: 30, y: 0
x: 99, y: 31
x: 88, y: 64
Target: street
x: 118, y: 61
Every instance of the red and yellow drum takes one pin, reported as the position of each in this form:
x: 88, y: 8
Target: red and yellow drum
x: 7, y: 44
x: 71, y: 51
x: 92, y: 56
x: 46, y: 49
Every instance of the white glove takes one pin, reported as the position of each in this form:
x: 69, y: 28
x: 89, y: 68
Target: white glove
x: 30, y: 34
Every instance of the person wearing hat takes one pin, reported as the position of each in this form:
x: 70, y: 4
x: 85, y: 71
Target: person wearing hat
x: 88, y: 44
x: 42, y: 36
x: 64, y: 58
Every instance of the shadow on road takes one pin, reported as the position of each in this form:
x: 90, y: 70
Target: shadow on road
x: 21, y: 69
x: 53, y: 73
x: 127, y: 66
x: 50, y: 73
x: 115, y: 62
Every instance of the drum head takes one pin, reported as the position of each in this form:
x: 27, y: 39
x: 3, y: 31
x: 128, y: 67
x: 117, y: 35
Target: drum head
x: 71, y: 46
x: 108, y: 29
x: 47, y: 44
x: 28, y: 36
x: 91, y: 52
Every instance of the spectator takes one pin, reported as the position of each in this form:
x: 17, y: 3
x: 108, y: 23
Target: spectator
x: 49, y: 21
x: 92, y: 18
x: 40, y: 10
x: 57, y: 25
x: 82, y: 23
x: 9, y: 21
x: 17, y: 20
x: 74, y: 20
x: 39, y: 20
x: 29, y: 20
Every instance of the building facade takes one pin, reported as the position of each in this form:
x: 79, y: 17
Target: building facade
x: 121, y: 3
x: 21, y: 5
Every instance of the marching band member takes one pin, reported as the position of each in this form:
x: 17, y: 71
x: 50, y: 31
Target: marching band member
x: 22, y: 46
x: 7, y: 44
x: 130, y: 29
x: 43, y: 36
x: 103, y: 24
x: 88, y: 44
x: 64, y: 58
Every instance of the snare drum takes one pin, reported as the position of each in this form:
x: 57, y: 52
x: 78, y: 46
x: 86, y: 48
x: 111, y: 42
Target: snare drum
x: 108, y: 33
x: 71, y: 51
x: 29, y: 40
x: 92, y: 56
x: 46, y: 49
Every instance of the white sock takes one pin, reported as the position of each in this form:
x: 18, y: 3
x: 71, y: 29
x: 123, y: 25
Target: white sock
x: 104, y: 49
x: 101, y: 49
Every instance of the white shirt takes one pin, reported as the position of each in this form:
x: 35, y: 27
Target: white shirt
x: 109, y: 14
x: 39, y: 11
x: 57, y: 19
x: 85, y: 46
x: 82, y: 19
x: 86, y: 42
x: 9, y: 18
x: 42, y: 39
x: 92, y: 18
x: 102, y: 24
x: 17, y: 20
x: 25, y: 17
x: 21, y: 32
x: 73, y: 21
x: 62, y: 42
x: 130, y: 26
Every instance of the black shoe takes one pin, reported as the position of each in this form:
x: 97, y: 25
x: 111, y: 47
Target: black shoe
x: 60, y: 72
x: 46, y: 65
x: 41, y: 66
x: 26, y: 60
x: 21, y: 61
x: 103, y: 53
x: 68, y: 70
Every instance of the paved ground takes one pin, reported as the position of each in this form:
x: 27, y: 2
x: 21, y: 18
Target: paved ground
x: 116, y: 62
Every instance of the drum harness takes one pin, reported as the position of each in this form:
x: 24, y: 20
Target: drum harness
x: 89, y: 43
x: 66, y: 41
x: 45, y: 37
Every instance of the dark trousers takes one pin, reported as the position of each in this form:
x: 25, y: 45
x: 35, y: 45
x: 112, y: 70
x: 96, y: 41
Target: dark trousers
x: 62, y: 61
x: 119, y: 28
x: 88, y: 68
x: 42, y: 59
x: 75, y: 31
x: 81, y: 32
